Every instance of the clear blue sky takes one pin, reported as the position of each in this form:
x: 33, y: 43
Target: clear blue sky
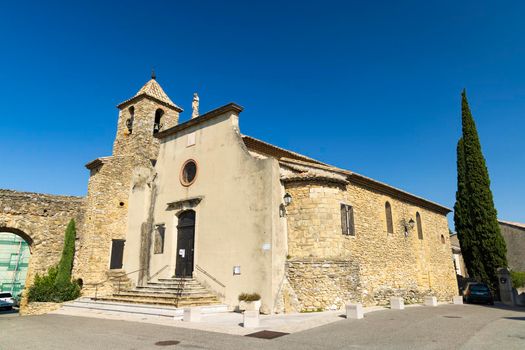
x: 373, y: 87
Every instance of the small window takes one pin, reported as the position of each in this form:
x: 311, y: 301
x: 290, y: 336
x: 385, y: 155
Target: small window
x: 157, y: 125
x: 158, y: 245
x: 442, y: 239
x: 188, y: 172
x: 347, y: 220
x: 419, y: 226
x: 129, y: 121
x: 389, y: 223
x: 117, y: 253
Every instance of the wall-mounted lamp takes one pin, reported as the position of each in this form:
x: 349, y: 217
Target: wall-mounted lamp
x: 287, y: 199
x: 411, y: 223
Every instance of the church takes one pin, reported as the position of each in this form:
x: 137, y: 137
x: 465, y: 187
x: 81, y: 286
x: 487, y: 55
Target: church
x: 199, y: 203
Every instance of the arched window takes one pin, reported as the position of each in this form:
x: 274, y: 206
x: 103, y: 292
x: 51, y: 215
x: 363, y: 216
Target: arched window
x: 129, y: 121
x: 419, y: 226
x: 389, y: 223
x: 157, y: 126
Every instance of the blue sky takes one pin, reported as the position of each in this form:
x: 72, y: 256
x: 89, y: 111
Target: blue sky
x: 372, y: 87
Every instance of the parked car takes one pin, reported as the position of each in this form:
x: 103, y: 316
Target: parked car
x: 478, y: 293
x: 6, y: 301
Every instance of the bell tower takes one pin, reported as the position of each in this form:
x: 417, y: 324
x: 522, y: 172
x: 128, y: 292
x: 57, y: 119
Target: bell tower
x: 142, y: 116
x: 112, y: 180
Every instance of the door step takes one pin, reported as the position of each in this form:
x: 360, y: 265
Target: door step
x: 83, y: 304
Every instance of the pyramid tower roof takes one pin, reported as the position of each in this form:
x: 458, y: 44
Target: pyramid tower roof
x: 154, y: 90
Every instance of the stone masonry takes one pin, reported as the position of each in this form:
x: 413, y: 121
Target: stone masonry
x: 514, y: 235
x: 111, y: 181
x: 324, y: 269
x: 41, y: 220
x: 323, y: 284
x: 390, y: 264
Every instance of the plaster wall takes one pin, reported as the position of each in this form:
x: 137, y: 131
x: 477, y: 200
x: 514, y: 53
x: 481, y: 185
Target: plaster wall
x: 237, y: 218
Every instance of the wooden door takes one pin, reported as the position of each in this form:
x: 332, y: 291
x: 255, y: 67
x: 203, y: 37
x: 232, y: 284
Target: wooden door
x: 185, y: 244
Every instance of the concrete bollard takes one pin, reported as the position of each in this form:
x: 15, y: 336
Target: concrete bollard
x: 354, y: 311
x: 250, y: 319
x: 457, y: 300
x: 397, y: 303
x: 192, y: 314
x: 431, y: 301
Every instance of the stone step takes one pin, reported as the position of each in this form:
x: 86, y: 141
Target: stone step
x: 174, y: 285
x: 157, y: 295
x: 177, y: 280
x: 167, y: 290
x: 182, y: 302
x: 135, y: 308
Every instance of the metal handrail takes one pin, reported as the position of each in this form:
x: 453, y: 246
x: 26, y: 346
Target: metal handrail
x: 108, y: 279
x: 210, y: 276
x: 157, y: 273
x: 180, y: 287
x: 119, y: 279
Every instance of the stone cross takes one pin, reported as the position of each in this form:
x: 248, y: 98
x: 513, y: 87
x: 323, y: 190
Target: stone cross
x: 195, y: 106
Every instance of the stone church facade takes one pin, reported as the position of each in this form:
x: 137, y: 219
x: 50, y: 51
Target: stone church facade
x: 199, y: 199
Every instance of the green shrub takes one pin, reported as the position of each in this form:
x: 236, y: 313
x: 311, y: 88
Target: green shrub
x: 518, y: 279
x: 43, y: 286
x: 249, y: 297
x: 45, y: 289
x: 56, y: 285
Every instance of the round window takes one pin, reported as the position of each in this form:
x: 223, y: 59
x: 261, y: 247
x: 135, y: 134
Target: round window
x: 188, y: 173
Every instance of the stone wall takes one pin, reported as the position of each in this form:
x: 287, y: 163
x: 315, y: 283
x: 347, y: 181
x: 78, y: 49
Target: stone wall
x: 109, y: 188
x: 41, y: 220
x: 140, y: 140
x: 39, y: 308
x: 389, y: 263
x: 323, y: 284
x: 514, y: 236
x: 106, y: 217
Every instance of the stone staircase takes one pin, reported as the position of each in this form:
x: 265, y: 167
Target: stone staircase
x: 166, y: 297
x: 174, y: 292
x: 92, y: 308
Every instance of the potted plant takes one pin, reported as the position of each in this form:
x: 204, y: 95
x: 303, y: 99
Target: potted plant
x: 250, y: 302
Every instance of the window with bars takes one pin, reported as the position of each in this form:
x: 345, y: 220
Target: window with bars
x: 347, y: 220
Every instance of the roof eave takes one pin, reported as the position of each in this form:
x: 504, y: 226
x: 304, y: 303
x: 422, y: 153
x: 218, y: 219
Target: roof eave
x: 97, y: 162
x: 377, y: 185
x: 145, y: 95
x: 230, y: 107
x: 395, y: 192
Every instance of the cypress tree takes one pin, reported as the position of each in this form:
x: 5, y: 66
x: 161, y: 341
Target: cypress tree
x: 476, y: 217
x: 68, y: 252
x: 461, y: 216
